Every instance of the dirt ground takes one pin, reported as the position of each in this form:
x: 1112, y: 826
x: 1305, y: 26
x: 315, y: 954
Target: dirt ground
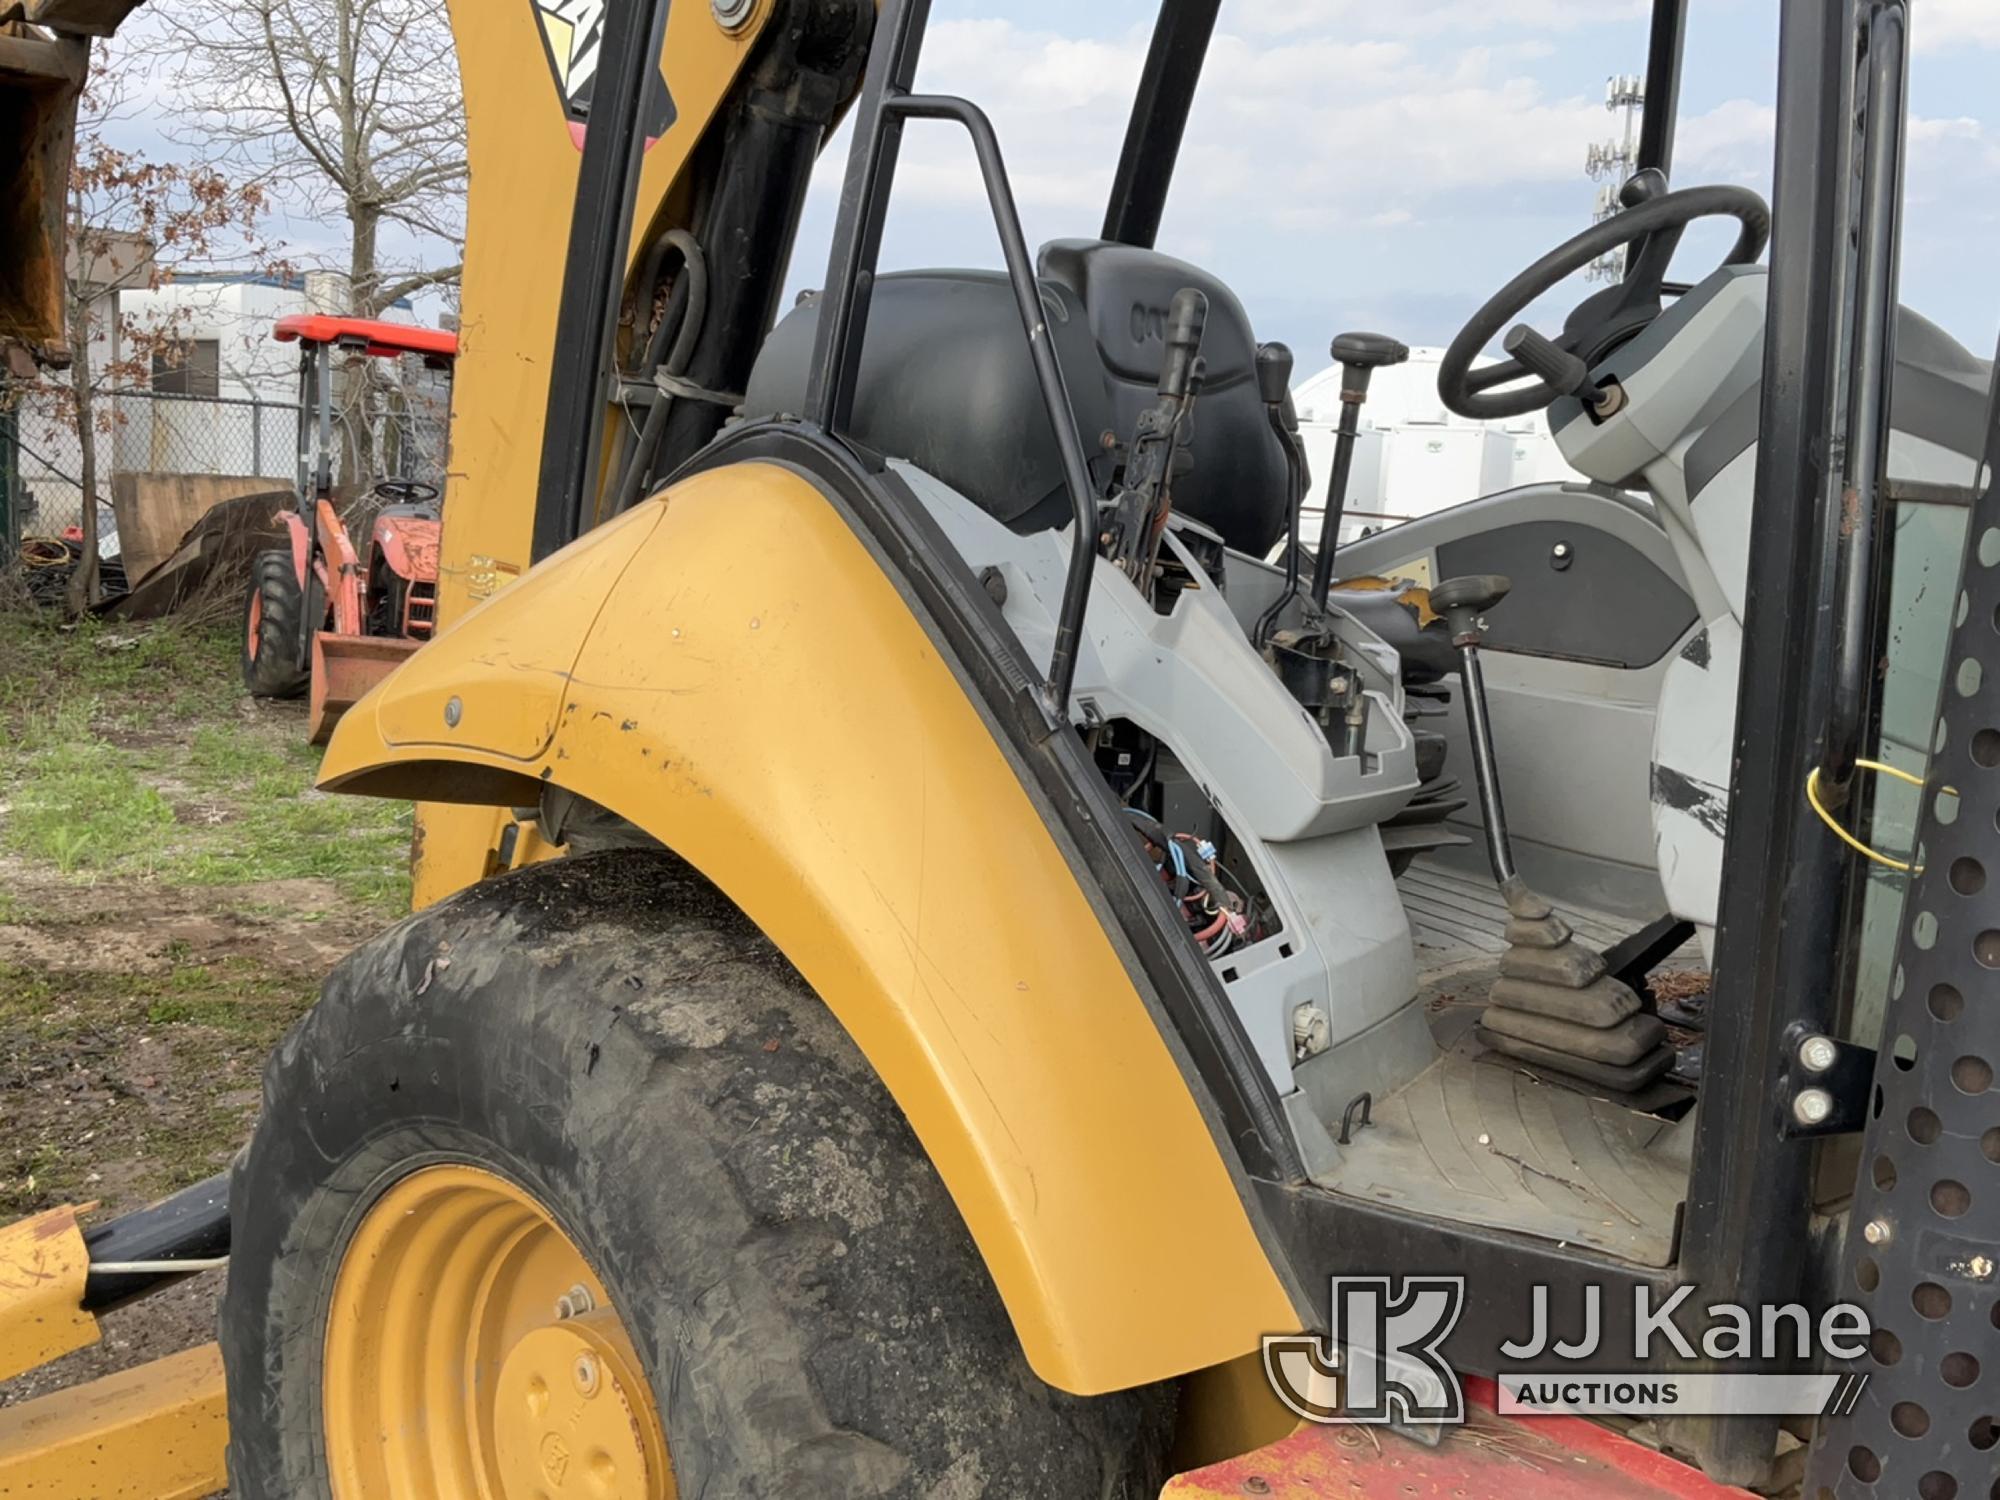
x: 172, y: 891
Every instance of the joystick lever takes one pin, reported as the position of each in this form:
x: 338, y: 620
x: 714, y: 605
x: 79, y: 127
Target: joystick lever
x: 1274, y: 386
x: 1135, y: 518
x: 1359, y: 356
x: 1562, y: 371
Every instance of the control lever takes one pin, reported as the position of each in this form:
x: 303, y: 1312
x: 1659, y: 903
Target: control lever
x: 1274, y: 386
x: 1274, y: 381
x: 1562, y: 371
x: 1137, y: 514
x: 1359, y: 356
x: 1554, y: 1005
x: 1462, y: 602
x: 1187, y: 320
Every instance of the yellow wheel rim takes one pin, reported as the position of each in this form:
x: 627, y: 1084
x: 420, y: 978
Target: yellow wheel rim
x: 472, y: 1351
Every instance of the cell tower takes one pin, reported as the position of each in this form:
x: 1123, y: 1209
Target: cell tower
x: 1611, y: 162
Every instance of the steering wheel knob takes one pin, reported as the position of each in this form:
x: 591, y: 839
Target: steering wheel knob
x: 1643, y: 186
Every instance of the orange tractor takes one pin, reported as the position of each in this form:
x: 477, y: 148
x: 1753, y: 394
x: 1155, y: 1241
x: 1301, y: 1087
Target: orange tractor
x: 316, y: 615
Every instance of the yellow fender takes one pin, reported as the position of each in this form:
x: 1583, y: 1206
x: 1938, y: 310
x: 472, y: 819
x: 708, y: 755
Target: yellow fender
x: 728, y: 667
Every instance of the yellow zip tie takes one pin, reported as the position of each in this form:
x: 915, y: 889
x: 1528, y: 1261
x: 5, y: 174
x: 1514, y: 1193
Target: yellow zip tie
x: 1812, y: 800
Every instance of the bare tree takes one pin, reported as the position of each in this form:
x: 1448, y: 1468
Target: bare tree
x: 351, y: 111
x: 131, y: 220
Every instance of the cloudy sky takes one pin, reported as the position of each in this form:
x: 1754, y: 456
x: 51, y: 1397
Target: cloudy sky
x: 1387, y: 164
x: 1354, y: 163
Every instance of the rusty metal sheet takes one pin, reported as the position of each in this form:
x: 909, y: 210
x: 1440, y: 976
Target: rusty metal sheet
x: 39, y: 82
x: 43, y: 1263
x: 81, y: 17
x: 344, y: 668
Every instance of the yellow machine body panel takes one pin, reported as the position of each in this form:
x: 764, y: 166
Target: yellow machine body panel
x: 524, y: 164
x: 43, y: 1266
x: 158, y: 1431
x: 756, y: 693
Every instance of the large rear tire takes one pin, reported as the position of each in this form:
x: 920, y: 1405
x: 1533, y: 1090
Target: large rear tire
x: 613, y: 1039
x: 272, y: 607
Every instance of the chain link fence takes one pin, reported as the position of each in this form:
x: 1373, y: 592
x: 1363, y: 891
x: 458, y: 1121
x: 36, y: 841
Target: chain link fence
x: 157, y: 433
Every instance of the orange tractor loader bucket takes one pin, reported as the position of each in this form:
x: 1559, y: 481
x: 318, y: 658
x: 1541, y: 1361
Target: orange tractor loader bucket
x: 343, y: 668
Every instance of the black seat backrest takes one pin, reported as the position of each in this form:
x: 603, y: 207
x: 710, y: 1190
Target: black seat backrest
x: 947, y: 382
x: 1237, y: 484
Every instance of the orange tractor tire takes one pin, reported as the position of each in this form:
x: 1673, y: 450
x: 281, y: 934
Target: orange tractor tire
x: 271, y: 627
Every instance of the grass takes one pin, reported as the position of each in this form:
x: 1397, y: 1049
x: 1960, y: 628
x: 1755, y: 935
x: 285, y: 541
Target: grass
x: 236, y: 996
x: 77, y: 806
x: 183, y: 1045
x: 142, y: 788
x: 132, y: 750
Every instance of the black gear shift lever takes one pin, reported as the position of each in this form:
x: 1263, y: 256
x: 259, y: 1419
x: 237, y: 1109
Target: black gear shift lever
x: 1359, y: 356
x: 1274, y: 386
x: 1553, y: 1005
x: 1462, y: 601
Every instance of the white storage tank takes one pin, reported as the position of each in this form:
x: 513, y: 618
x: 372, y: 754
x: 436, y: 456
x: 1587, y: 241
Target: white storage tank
x: 1413, y: 457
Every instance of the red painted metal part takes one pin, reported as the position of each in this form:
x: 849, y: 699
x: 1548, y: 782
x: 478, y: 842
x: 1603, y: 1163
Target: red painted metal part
x: 344, y: 667
x: 370, y: 336
x: 301, y: 542
x: 409, y: 546
x: 339, y: 569
x: 1490, y: 1458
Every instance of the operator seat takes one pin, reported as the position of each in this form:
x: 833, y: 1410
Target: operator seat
x: 947, y: 382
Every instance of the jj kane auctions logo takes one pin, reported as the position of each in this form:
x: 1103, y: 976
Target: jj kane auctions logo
x: 1380, y: 1361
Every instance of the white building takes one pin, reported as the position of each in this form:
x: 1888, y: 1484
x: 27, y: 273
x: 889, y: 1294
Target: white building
x: 1413, y: 457
x: 241, y: 417
x: 219, y: 399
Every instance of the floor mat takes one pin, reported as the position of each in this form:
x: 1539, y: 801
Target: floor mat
x: 1478, y: 1140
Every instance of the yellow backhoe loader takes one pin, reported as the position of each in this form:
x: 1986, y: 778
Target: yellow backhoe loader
x: 941, y: 969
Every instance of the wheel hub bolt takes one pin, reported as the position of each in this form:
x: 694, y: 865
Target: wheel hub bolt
x: 584, y: 1372
x: 575, y: 1302
x: 1818, y: 1053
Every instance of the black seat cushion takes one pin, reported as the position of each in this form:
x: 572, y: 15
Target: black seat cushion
x: 947, y: 382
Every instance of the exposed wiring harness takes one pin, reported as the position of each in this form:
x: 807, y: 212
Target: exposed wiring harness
x: 1218, y: 916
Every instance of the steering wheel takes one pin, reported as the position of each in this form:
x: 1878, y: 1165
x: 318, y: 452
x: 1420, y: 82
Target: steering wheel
x: 406, y: 491
x: 1653, y: 222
